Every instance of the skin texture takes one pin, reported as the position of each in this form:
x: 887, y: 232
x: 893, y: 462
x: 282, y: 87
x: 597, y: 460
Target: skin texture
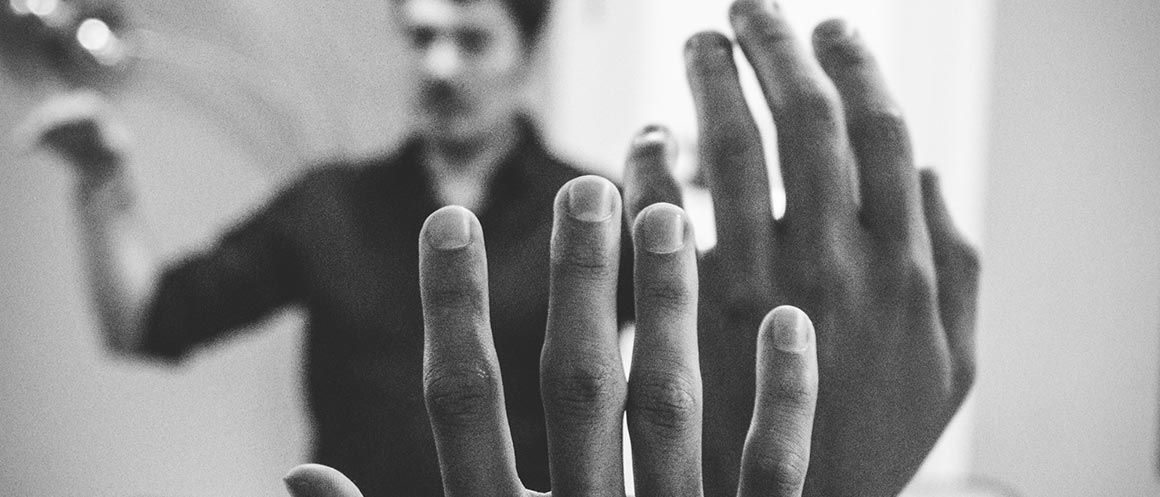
x: 865, y: 248
x: 586, y: 393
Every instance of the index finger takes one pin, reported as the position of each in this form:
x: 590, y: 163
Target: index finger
x: 461, y: 375
x: 777, y: 449
x: 664, y: 392
x: 877, y: 130
x: 732, y: 153
x: 816, y: 162
x: 581, y: 373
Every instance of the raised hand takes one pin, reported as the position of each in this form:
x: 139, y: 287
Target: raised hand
x: 78, y: 128
x: 864, y: 248
x: 585, y: 390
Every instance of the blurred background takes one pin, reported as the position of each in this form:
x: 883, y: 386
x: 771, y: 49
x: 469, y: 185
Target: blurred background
x: 1040, y: 115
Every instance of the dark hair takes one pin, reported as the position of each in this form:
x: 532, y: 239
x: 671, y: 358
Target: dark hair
x: 530, y: 16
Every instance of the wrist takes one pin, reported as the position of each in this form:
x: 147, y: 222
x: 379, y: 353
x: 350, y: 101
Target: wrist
x: 97, y: 165
x: 102, y: 192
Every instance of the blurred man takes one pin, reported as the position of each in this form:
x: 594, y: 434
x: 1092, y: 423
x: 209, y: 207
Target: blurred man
x: 341, y: 242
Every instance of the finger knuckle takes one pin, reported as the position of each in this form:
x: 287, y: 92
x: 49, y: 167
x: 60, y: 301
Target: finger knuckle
x: 459, y: 397
x: 903, y: 276
x: 965, y: 373
x: 849, y: 54
x: 453, y: 297
x: 664, y: 401
x: 883, y: 127
x: 830, y: 271
x: 782, y: 467
x: 730, y: 144
x: 588, y: 263
x: 811, y: 103
x: 796, y: 395
x: 969, y: 260
x: 888, y: 229
x: 910, y: 286
x: 667, y: 295
x: 813, y: 280
x: 581, y: 391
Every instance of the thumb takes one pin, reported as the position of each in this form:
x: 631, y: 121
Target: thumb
x: 316, y: 480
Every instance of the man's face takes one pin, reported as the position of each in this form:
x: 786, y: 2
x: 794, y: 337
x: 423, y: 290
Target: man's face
x: 470, y: 61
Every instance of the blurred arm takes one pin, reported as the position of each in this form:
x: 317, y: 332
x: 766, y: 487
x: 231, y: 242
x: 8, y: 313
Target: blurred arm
x: 117, y: 249
x: 122, y: 267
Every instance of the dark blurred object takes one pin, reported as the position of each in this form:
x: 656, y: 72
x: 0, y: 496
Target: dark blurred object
x: 50, y: 47
x: 83, y: 43
x: 80, y: 143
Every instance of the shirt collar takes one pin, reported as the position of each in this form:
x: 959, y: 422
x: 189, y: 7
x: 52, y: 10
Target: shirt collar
x: 511, y: 183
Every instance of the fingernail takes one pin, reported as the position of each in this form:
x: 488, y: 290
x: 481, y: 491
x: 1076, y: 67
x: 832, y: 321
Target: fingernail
x: 591, y: 198
x: 655, y: 139
x: 706, y: 41
x: 294, y: 481
x: 651, y: 135
x: 833, y: 31
x: 293, y: 486
x: 746, y: 7
x: 791, y: 329
x: 662, y: 229
x: 449, y: 228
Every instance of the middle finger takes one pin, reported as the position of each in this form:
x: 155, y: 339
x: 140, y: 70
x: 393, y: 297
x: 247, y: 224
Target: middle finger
x: 731, y: 150
x: 816, y: 161
x: 664, y: 388
x: 461, y: 375
x: 581, y: 376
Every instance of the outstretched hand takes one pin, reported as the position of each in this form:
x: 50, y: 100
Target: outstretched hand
x: 865, y: 247
x: 586, y: 394
x: 77, y: 126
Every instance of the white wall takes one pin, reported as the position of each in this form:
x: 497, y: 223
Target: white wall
x: 74, y: 421
x: 1070, y: 331
x: 77, y: 422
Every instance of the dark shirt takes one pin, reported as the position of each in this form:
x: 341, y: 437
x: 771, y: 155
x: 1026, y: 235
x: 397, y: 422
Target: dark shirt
x: 343, y: 243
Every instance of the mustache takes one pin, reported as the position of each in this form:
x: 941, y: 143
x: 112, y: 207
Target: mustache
x: 443, y: 95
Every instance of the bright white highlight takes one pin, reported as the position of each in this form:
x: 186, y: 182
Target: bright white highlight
x: 42, y: 8
x: 100, y: 41
x: 94, y: 35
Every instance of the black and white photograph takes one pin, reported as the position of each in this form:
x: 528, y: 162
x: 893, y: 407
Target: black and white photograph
x: 516, y: 248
